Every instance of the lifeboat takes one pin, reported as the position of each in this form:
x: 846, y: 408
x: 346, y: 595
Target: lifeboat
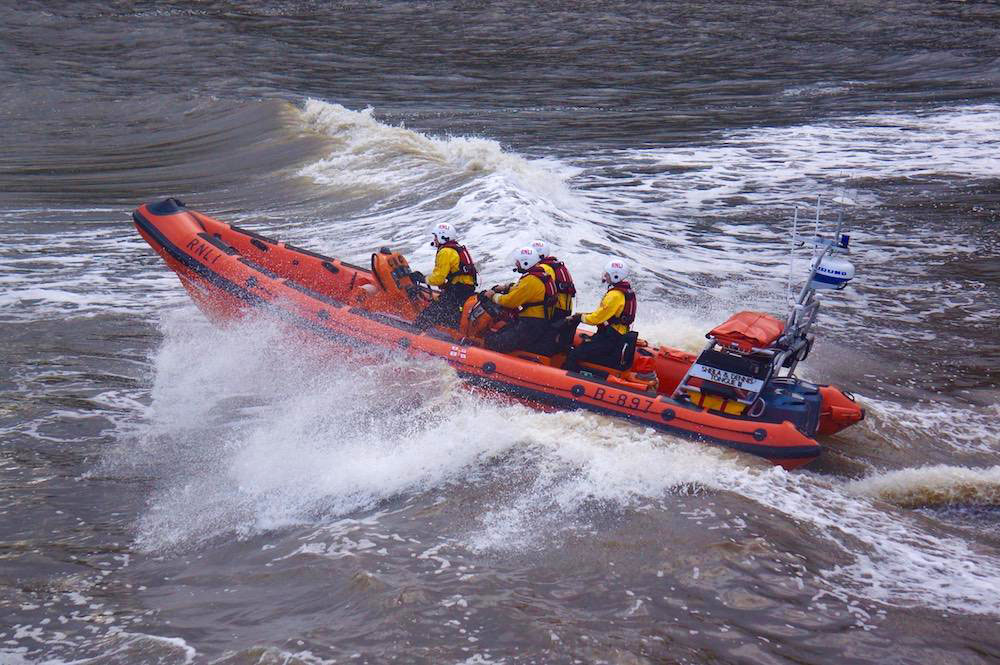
x: 731, y: 394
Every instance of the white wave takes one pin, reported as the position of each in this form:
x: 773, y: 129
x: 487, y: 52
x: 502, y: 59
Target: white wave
x: 709, y: 223
x: 296, y: 436
x: 372, y: 155
x: 938, y: 485
x: 498, y: 200
x: 824, y: 89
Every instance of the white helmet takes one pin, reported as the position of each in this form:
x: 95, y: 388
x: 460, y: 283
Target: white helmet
x: 616, y: 270
x: 541, y: 247
x: 524, y: 258
x: 442, y: 232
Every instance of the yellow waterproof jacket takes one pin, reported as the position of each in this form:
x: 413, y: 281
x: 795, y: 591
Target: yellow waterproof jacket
x: 612, y: 305
x: 445, y: 263
x: 528, y: 289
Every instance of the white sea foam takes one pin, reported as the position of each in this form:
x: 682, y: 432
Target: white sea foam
x: 81, y: 272
x: 965, y: 428
x: 781, y: 165
x: 895, y: 559
x: 116, y: 646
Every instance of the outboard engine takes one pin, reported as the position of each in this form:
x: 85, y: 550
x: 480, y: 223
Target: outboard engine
x: 792, y: 399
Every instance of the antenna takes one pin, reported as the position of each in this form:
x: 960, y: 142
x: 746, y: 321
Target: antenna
x: 819, y: 198
x: 791, y: 256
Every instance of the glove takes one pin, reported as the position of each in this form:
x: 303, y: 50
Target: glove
x: 568, y: 322
x: 418, y: 276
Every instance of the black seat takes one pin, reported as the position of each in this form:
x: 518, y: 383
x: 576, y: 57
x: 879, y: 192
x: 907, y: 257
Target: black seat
x: 624, y: 360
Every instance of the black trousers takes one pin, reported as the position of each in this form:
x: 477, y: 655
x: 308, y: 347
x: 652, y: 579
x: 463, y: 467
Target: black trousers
x: 447, y: 309
x: 564, y: 334
x: 528, y: 334
x: 604, y: 348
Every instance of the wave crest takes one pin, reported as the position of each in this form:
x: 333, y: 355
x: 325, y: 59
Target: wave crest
x: 939, y: 485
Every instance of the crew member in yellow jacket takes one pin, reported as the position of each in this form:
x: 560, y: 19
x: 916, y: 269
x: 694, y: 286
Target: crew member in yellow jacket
x: 532, y: 301
x: 454, y: 273
x: 613, y: 317
x: 565, y: 291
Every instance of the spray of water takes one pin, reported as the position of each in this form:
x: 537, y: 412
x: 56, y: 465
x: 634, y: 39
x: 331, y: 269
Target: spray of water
x: 250, y: 431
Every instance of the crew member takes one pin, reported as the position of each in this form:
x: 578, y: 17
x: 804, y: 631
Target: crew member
x: 454, y: 273
x: 565, y: 290
x: 613, y: 317
x: 532, y: 299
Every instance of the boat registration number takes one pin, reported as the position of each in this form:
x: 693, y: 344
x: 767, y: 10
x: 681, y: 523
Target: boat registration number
x: 727, y: 378
x: 623, y: 399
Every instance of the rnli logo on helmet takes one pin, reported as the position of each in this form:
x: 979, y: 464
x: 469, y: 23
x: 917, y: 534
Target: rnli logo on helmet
x: 617, y: 264
x: 527, y: 251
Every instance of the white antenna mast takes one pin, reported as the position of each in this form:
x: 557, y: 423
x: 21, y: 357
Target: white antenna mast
x: 791, y: 256
x: 818, y: 200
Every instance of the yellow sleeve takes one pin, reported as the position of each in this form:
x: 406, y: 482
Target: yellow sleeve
x: 445, y: 263
x: 528, y: 289
x: 612, y: 304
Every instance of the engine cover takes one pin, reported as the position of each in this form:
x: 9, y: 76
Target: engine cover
x: 794, y: 400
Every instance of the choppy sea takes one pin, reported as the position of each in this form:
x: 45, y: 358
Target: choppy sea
x: 172, y: 492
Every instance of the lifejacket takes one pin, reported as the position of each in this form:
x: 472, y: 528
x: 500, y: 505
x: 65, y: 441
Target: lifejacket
x: 465, y: 264
x: 628, y: 311
x: 551, y: 294
x: 564, y: 281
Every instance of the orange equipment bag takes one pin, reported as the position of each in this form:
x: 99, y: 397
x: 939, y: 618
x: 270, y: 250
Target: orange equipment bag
x: 746, y: 331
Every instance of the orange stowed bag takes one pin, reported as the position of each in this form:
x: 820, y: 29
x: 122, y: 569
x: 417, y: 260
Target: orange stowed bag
x: 746, y: 331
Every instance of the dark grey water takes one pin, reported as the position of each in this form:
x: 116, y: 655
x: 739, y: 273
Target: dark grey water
x: 176, y: 493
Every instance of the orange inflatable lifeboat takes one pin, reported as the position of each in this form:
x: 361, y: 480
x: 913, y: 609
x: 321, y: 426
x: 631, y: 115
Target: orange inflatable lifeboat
x: 731, y: 394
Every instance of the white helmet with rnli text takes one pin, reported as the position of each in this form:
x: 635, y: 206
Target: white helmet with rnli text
x: 442, y: 232
x: 542, y: 248
x: 616, y: 270
x: 524, y: 259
